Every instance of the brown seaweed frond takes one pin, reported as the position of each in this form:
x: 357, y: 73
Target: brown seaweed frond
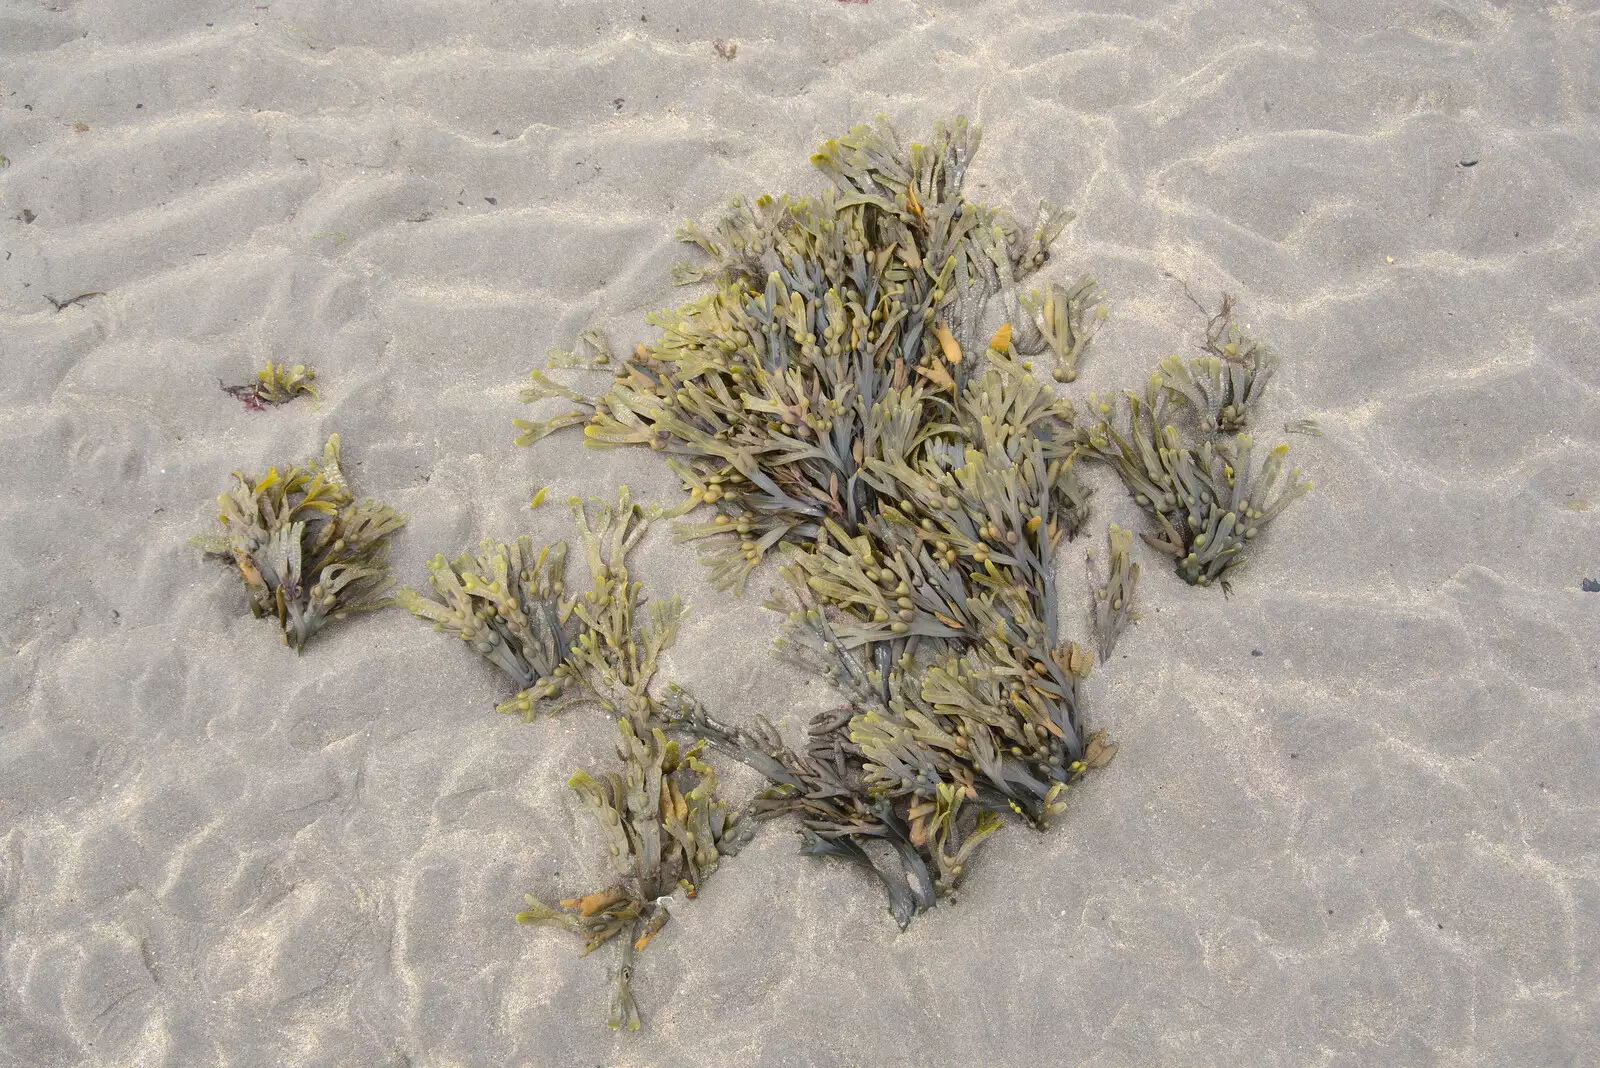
x: 509, y: 604
x: 276, y: 383
x: 1224, y: 387
x: 622, y: 633
x: 1067, y: 320
x: 1111, y: 597
x: 308, y: 552
x: 665, y: 829
x: 663, y: 824
x: 591, y: 353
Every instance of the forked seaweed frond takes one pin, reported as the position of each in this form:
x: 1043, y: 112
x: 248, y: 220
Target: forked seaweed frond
x: 509, y: 604
x: 1224, y: 386
x: 1208, y: 497
x: 664, y: 827
x: 307, y: 551
x: 1067, y: 320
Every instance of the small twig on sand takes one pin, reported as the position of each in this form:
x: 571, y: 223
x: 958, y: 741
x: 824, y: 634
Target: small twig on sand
x: 62, y: 305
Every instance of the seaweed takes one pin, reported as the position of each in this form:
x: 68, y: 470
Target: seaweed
x: 665, y: 829
x: 276, y: 383
x: 1205, y: 493
x: 509, y: 604
x: 1111, y: 600
x: 664, y: 826
x: 851, y: 396
x: 307, y: 551
x: 1068, y: 319
x: 840, y: 398
x: 1224, y: 386
x: 541, y: 387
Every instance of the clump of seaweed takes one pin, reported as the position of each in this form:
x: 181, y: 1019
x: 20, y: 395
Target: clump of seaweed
x: 509, y: 605
x: 840, y: 397
x: 1225, y: 385
x: 276, y: 383
x: 307, y: 550
x: 1208, y: 498
x: 664, y: 827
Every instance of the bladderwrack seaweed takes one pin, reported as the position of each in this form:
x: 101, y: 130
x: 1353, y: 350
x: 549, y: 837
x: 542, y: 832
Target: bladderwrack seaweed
x: 307, y: 550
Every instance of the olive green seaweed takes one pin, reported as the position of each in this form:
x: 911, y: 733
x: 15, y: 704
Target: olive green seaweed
x: 276, y: 383
x: 852, y: 395
x: 1111, y: 605
x: 840, y: 398
x: 663, y: 825
x: 307, y: 550
x: 1225, y: 385
x: 1205, y: 493
x: 509, y: 605
x: 1068, y: 319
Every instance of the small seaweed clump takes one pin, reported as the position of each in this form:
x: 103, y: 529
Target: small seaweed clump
x: 508, y: 604
x: 307, y: 550
x: 1207, y: 496
x: 276, y: 383
x: 840, y: 397
x: 665, y: 828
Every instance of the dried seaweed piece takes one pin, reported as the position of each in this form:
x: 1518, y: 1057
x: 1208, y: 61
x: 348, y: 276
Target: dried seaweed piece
x: 509, y: 604
x: 1111, y: 604
x: 62, y: 305
x: 276, y: 383
x: 307, y: 550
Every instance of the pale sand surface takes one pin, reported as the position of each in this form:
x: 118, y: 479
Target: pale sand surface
x: 1376, y: 842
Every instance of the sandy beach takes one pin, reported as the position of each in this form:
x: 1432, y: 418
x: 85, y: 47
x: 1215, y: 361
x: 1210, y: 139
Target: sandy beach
x: 1355, y: 814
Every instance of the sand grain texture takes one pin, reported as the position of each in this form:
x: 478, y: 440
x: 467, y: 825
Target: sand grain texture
x: 1353, y: 820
